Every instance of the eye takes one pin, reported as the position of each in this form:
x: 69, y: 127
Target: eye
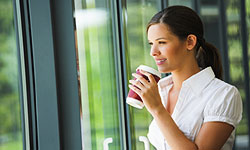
x: 150, y: 43
x: 162, y: 42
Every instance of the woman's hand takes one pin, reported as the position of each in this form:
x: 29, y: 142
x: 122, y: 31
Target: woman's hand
x: 147, y: 90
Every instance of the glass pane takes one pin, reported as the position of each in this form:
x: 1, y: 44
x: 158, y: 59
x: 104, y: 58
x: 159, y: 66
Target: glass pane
x: 236, y: 67
x: 139, y: 14
x: 188, y: 3
x: 247, y: 2
x: 97, y: 75
x: 246, y: 137
x: 10, y: 114
x: 210, y: 13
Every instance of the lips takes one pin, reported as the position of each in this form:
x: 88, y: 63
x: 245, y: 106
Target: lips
x: 160, y: 61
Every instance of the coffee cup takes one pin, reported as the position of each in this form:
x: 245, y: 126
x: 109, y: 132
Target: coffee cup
x: 133, y: 98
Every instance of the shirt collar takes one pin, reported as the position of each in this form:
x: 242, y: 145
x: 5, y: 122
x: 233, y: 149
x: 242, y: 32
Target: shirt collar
x: 200, y: 80
x: 164, y: 82
x: 196, y: 82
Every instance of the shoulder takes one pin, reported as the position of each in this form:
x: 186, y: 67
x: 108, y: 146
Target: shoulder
x: 224, y: 103
x: 218, y: 88
x: 221, y: 93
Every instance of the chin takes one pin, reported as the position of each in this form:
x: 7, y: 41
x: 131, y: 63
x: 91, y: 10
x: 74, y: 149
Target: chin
x: 163, y: 70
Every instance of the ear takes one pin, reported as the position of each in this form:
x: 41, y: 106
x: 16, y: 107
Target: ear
x: 191, y: 41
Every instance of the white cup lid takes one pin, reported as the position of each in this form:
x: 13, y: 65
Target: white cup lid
x: 150, y: 70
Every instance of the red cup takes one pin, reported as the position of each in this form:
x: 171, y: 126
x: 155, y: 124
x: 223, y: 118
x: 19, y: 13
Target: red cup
x: 134, y: 99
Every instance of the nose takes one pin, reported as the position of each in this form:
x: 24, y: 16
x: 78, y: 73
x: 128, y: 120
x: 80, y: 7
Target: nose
x: 154, y: 51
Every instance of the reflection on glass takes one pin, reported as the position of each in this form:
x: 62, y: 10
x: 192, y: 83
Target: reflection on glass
x: 236, y: 67
x: 97, y: 80
x: 10, y: 115
x: 139, y: 14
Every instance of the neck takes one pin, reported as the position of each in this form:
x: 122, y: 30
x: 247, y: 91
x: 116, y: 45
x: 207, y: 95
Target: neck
x: 182, y: 74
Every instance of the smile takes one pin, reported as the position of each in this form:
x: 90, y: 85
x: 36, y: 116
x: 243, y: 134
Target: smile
x: 159, y: 62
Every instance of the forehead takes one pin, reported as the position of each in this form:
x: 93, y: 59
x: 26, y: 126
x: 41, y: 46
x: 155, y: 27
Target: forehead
x: 159, y: 30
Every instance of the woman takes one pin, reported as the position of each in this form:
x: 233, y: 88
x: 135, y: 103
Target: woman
x: 192, y: 108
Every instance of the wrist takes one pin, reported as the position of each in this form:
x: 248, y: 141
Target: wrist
x: 159, y: 111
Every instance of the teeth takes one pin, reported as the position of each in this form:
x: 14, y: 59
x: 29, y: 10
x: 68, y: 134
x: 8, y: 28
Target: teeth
x: 161, y: 60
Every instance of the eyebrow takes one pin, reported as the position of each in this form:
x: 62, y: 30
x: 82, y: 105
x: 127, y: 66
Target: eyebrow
x: 160, y: 39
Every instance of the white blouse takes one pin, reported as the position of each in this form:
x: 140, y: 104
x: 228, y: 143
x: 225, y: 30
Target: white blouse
x: 202, y: 98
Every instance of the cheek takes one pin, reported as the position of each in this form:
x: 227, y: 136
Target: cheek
x: 169, y: 51
x: 178, y: 50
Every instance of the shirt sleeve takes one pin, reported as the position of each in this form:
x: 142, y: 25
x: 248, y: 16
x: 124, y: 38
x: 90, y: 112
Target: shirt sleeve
x: 224, y: 106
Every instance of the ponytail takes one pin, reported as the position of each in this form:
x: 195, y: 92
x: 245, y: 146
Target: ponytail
x: 208, y: 55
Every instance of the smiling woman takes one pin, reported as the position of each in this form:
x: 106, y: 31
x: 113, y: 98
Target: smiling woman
x: 193, y: 108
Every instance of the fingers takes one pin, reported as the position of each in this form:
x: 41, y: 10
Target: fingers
x: 140, y: 84
x: 136, y: 83
x: 150, y: 76
x: 135, y: 89
x: 140, y: 78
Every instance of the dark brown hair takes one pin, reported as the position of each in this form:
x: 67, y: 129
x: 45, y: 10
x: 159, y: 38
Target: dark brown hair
x: 183, y: 21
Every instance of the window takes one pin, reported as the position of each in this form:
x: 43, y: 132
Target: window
x: 10, y: 104
x: 111, y: 42
x: 139, y: 14
x: 97, y: 75
x: 235, y: 55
